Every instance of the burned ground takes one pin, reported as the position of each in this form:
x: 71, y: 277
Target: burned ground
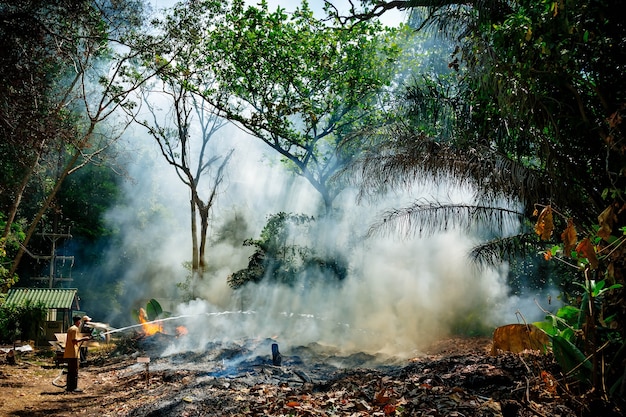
x: 456, y: 377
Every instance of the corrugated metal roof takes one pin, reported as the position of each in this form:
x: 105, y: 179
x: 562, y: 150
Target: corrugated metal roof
x: 49, y: 297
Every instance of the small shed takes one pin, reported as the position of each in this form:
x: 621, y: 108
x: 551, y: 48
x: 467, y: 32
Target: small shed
x: 60, y: 302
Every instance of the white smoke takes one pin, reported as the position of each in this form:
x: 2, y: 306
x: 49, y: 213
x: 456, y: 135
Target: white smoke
x: 400, y: 295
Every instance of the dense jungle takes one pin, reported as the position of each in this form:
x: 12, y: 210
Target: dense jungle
x: 379, y: 187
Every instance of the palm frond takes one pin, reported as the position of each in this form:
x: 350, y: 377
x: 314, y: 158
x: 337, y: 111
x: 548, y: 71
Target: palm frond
x: 454, y: 19
x: 493, y: 252
x: 411, y: 157
x: 427, y: 218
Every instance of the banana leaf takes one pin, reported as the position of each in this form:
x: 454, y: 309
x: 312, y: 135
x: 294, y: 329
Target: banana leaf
x: 153, y: 309
x: 571, y: 359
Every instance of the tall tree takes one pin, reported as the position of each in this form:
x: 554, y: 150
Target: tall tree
x: 184, y: 135
x: 81, y: 48
x: 185, y: 129
x: 299, y: 85
x: 30, y: 67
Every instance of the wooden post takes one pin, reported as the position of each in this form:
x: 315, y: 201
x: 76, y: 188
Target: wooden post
x: 147, y: 362
x: 11, y: 357
x: 277, y: 358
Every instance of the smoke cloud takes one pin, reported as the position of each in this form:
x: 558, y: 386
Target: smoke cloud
x: 400, y: 294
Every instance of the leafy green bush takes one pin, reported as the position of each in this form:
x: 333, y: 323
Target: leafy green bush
x: 286, y: 253
x: 588, y: 333
x: 21, y: 322
x: 8, y: 248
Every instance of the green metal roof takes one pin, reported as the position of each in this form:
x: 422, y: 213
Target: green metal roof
x: 49, y: 297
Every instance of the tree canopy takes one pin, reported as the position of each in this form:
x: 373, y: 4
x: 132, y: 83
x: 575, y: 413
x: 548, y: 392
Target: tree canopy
x: 301, y: 86
x: 538, y: 101
x: 528, y: 112
x: 64, y: 76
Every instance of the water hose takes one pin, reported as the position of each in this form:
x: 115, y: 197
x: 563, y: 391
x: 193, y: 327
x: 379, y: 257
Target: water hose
x: 55, y: 380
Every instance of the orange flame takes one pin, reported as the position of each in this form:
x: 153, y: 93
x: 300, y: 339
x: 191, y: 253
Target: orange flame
x: 148, y: 328
x: 181, y: 331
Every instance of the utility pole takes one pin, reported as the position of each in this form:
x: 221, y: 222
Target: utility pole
x: 53, y: 258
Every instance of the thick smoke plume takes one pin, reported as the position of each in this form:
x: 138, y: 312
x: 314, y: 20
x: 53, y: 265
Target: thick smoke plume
x: 400, y: 294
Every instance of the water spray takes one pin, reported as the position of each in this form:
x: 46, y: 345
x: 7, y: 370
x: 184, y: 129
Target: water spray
x: 214, y: 314
x: 182, y: 316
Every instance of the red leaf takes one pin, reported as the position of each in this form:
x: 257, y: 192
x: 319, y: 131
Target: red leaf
x: 549, y: 381
x: 586, y: 250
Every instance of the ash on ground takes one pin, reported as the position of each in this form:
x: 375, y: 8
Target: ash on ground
x: 240, y: 378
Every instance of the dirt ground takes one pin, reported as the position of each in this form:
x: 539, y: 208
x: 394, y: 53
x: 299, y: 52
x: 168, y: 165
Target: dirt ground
x: 455, y: 377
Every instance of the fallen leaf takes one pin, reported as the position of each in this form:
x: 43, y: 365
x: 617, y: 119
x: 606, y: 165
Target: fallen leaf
x: 382, y: 398
x: 549, y: 381
x: 363, y: 406
x: 517, y: 338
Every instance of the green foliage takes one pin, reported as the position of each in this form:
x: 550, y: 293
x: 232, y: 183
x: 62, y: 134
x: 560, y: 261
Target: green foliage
x: 52, y: 109
x: 300, y: 85
x: 571, y: 359
x: 285, y: 254
x: 23, y: 322
x: 8, y: 248
x: 153, y: 311
x: 534, y: 112
x: 588, y: 332
x: 554, y: 77
x: 86, y: 196
x: 580, y: 333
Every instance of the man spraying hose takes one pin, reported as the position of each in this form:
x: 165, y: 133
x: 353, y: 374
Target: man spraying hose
x: 72, y: 355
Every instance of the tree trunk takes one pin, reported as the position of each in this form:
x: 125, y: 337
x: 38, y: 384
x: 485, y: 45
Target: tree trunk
x: 18, y: 198
x: 194, y: 238
x: 204, y: 229
x: 46, y: 204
